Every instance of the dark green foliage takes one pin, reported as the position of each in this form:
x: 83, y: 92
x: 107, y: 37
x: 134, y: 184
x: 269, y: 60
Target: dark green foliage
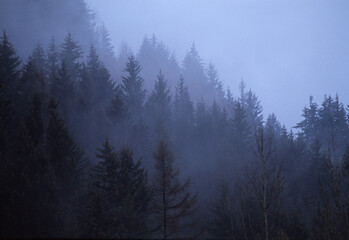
x: 31, y: 81
x: 132, y: 87
x: 215, y: 84
x: 39, y: 59
x: 240, y: 129
x: 65, y: 156
x: 158, y: 109
x: 63, y: 89
x: 70, y: 54
x: 46, y: 193
x: 183, y: 114
x: 193, y: 70
x: 96, y: 86
x: 222, y: 222
x: 9, y: 71
x: 119, y: 196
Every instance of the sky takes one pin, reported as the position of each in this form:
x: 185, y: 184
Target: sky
x: 284, y: 50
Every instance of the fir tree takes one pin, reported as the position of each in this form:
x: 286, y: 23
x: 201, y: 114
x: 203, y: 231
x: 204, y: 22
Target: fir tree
x: 68, y: 166
x: 52, y: 60
x: 183, y: 114
x: 193, y: 69
x: 132, y: 86
x: 122, y: 182
x: 158, y: 109
x: 63, y: 89
x: 9, y: 67
x: 215, y: 84
x: 39, y: 59
x: 70, y: 54
x: 222, y: 225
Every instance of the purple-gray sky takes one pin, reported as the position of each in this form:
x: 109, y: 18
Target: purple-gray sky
x: 284, y: 50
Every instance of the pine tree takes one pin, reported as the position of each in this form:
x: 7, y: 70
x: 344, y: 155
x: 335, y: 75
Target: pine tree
x: 105, y: 50
x: 183, y: 114
x: 215, y: 84
x: 28, y: 187
x: 193, y: 69
x: 52, y: 60
x: 253, y: 110
x: 222, y: 225
x: 9, y: 67
x: 68, y: 166
x: 309, y: 126
x: 171, y: 199
x: 102, y: 86
x: 122, y: 183
x: 158, y: 109
x: 31, y: 81
x: 39, y: 59
x: 240, y: 129
x: 273, y: 127
x: 132, y: 86
x: 70, y: 54
x: 63, y: 89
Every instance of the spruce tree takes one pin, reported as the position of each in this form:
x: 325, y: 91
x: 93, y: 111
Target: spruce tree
x: 183, y: 114
x: 222, y: 224
x: 240, y: 129
x: 132, y: 87
x: 216, y: 85
x: 70, y: 54
x: 39, y: 59
x: 68, y: 164
x: 122, y: 183
x: 101, y: 84
x: 158, y: 109
x: 9, y: 67
x: 63, y: 89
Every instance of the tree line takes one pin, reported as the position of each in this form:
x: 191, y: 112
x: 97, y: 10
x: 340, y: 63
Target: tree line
x: 83, y: 155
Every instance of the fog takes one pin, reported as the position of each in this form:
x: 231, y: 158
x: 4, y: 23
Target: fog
x: 186, y: 119
x: 284, y: 50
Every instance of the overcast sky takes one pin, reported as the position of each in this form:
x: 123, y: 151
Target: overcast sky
x: 284, y: 50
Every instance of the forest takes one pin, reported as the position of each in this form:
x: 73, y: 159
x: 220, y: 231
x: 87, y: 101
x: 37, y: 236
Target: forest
x: 95, y: 144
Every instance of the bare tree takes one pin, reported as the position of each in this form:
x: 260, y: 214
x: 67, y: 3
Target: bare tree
x: 172, y: 201
x: 261, y: 194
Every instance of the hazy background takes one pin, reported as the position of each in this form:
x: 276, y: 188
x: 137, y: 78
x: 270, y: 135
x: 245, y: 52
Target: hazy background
x: 284, y: 50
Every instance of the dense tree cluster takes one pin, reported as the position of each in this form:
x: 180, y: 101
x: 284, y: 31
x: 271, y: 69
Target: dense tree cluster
x: 163, y: 151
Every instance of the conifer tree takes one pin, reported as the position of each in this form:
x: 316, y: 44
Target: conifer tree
x: 309, y: 126
x: 193, y: 69
x: 68, y: 164
x: 215, y: 84
x: 172, y: 200
x: 183, y: 113
x: 39, y: 59
x: 52, y: 60
x: 158, y: 109
x: 9, y: 67
x: 63, y: 89
x: 102, y: 86
x: 70, y: 54
x: 240, y: 128
x: 31, y: 81
x: 122, y: 183
x: 106, y: 50
x: 132, y: 87
x: 222, y: 224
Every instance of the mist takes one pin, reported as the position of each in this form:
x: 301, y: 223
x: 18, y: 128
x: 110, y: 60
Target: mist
x: 174, y: 119
x: 278, y: 48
